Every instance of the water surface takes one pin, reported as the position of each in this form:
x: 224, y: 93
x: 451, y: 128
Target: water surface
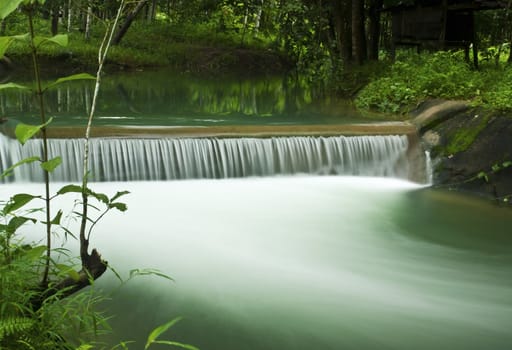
x: 165, y: 98
x: 310, y: 263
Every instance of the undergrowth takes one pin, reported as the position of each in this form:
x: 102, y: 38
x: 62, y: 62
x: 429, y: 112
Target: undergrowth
x: 417, y: 77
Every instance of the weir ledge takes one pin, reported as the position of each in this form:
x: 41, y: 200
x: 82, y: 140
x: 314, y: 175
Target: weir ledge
x: 392, y: 128
x: 415, y: 155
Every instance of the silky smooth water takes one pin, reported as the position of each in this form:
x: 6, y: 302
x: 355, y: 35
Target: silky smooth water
x: 123, y: 159
x: 309, y: 263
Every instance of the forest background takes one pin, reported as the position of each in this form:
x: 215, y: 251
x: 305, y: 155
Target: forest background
x: 342, y: 46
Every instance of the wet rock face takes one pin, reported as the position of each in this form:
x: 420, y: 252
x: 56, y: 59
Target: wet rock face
x: 471, y: 151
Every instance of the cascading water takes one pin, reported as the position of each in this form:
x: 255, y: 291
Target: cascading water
x: 120, y: 159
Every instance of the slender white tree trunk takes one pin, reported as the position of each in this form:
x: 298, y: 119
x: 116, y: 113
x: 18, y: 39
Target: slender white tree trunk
x: 257, y: 20
x: 70, y: 15
x: 88, y: 21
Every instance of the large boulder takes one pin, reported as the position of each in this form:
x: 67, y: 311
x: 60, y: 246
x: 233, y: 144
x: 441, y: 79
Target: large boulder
x: 471, y: 148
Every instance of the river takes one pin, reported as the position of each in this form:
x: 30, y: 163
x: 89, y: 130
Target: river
x: 292, y: 260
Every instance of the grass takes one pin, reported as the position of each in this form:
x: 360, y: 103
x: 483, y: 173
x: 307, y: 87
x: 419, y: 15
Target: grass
x: 413, y: 78
x: 187, y: 47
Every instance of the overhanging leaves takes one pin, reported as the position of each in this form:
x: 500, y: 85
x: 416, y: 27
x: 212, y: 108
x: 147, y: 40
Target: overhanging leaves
x: 8, y: 6
x: 159, y: 330
x: 9, y: 170
x: 68, y: 270
x: 70, y: 189
x: 35, y: 252
x: 5, y: 41
x: 119, y: 206
x: 13, y: 86
x: 17, y: 201
x: 56, y: 219
x: 51, y: 164
x: 25, y: 131
x: 80, y: 76
x: 59, y: 39
x: 16, y: 222
x: 119, y: 194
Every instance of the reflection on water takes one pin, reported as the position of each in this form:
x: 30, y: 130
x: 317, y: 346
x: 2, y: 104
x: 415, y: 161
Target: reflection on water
x: 311, y: 263
x: 165, y: 98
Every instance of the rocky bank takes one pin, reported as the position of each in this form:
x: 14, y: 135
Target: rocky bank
x: 471, y: 148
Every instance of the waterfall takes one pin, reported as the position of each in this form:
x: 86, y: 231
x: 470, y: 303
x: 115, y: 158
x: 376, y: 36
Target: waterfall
x: 128, y: 159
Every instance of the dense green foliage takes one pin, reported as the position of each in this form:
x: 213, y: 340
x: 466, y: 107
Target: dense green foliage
x: 416, y: 77
x: 321, y: 39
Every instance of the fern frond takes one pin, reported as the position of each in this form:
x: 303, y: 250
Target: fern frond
x: 12, y: 326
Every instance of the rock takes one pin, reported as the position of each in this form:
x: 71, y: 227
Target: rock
x: 433, y: 112
x: 471, y: 148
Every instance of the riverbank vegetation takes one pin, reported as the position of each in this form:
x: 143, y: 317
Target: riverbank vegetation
x: 413, y: 78
x: 344, y: 46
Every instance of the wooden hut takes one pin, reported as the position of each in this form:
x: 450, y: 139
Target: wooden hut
x: 438, y: 24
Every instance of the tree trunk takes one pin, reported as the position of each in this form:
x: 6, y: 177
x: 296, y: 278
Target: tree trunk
x: 94, y: 266
x: 152, y: 10
x: 358, y: 32
x: 128, y: 22
x: 374, y: 29
x: 257, y: 20
x: 342, y: 22
x: 69, y: 16
x: 55, y: 21
x: 88, y: 20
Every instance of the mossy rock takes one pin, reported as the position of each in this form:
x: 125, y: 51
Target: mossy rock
x: 475, y: 143
x: 463, y: 137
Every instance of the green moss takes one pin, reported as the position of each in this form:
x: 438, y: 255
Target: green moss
x: 464, y: 137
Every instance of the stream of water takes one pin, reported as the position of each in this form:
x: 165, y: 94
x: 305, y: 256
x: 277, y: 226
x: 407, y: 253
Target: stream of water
x: 263, y: 259
x: 309, y: 262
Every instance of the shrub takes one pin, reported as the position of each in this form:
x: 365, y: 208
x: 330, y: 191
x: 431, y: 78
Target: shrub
x: 417, y: 77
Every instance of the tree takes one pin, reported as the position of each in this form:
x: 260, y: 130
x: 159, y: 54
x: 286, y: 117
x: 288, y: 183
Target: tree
x: 374, y: 28
x: 358, y: 32
x: 128, y: 21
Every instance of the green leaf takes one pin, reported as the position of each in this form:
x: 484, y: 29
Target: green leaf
x: 177, y: 344
x: 68, y: 270
x: 146, y: 272
x: 35, y: 252
x: 56, y: 219
x: 81, y: 76
x: 13, y: 86
x: 24, y: 132
x: 17, y: 201
x: 70, y: 188
x: 85, y: 347
x: 59, y: 39
x: 25, y: 38
x: 16, y: 222
x: 119, y: 194
x: 99, y: 196
x: 483, y: 175
x: 159, y: 330
x: 8, y: 6
x: 51, y: 164
x: 9, y: 170
x: 119, y: 206
x: 5, y: 42
x: 506, y: 164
